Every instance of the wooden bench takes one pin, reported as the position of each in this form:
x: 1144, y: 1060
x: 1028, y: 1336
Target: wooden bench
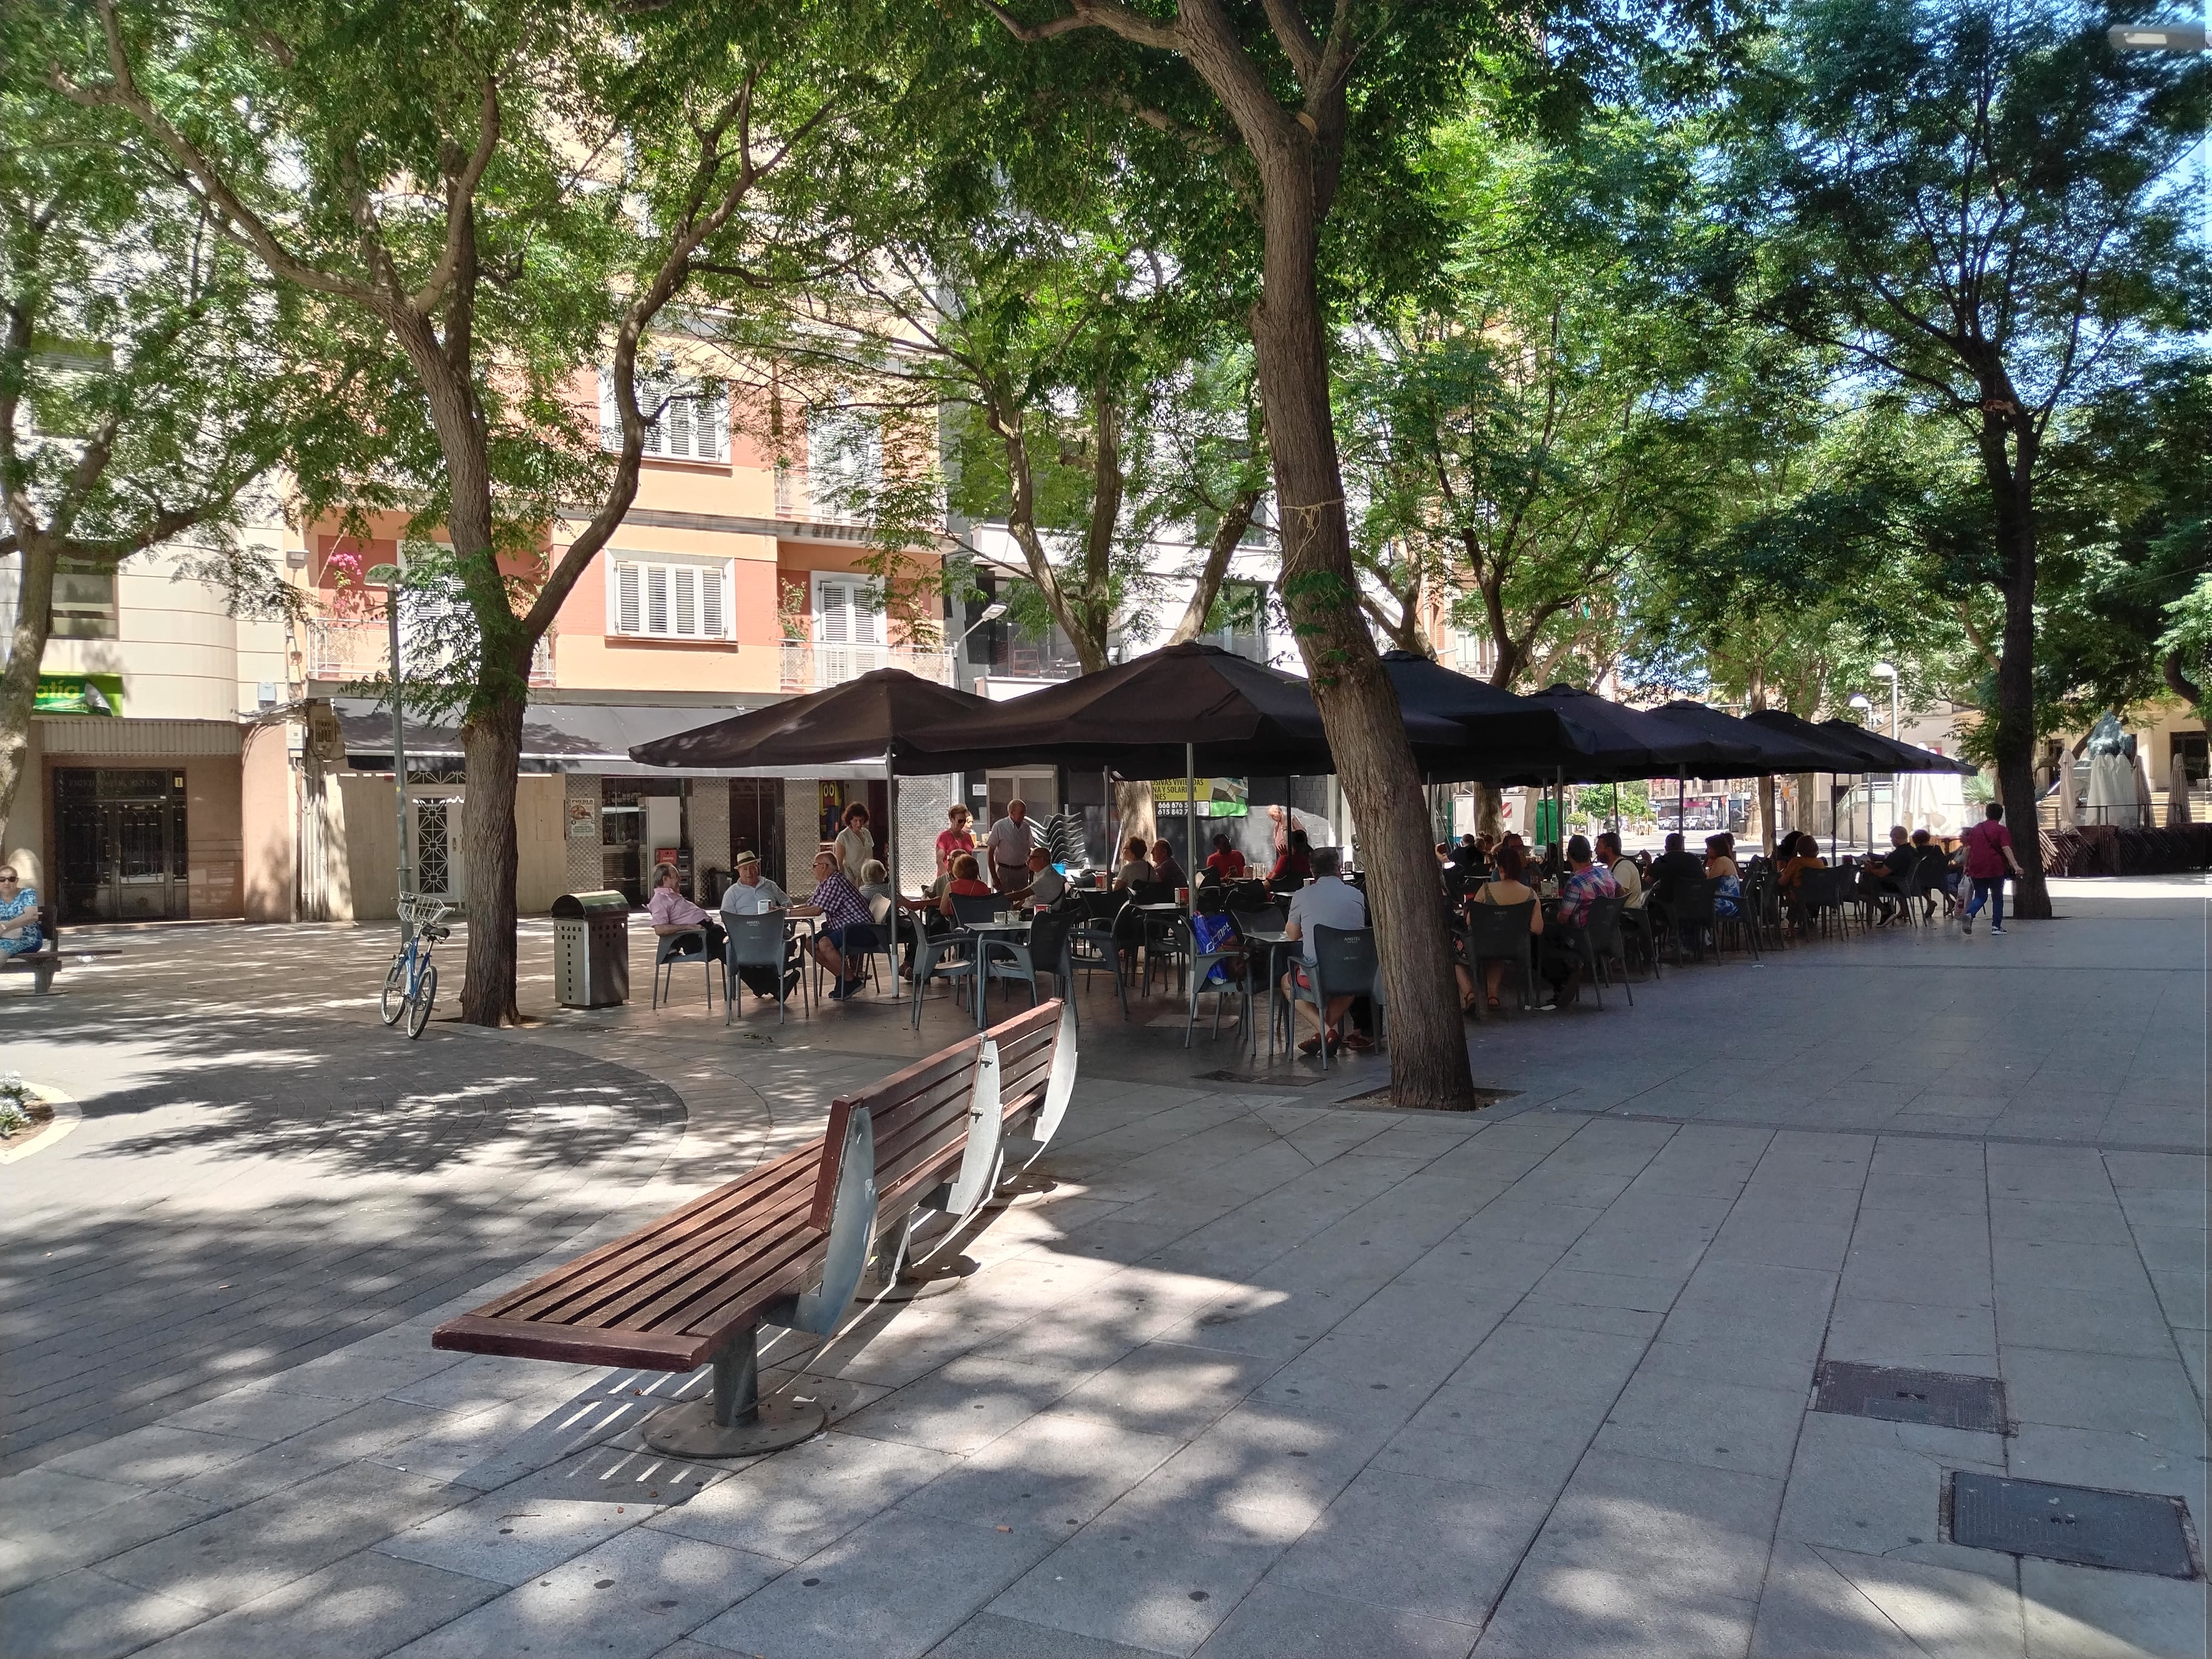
x: 43, y: 960
x: 787, y: 1243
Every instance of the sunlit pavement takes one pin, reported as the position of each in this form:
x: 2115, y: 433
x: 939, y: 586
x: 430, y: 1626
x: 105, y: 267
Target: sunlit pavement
x: 1269, y: 1372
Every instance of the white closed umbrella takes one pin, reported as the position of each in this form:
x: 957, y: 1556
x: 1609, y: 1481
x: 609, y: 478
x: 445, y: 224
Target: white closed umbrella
x: 2069, y: 811
x: 2177, y: 795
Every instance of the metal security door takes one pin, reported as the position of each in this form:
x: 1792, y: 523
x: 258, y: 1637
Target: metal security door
x: 123, y: 845
x: 436, y: 823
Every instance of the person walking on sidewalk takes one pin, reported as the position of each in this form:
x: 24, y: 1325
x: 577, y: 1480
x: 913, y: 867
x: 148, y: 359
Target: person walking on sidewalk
x: 1988, y: 855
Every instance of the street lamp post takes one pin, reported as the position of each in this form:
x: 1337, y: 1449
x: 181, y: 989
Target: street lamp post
x: 991, y: 612
x: 1865, y: 706
x: 392, y: 576
x: 1888, y: 671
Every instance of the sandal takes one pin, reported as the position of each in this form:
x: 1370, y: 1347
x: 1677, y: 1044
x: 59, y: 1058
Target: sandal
x: 1309, y: 1045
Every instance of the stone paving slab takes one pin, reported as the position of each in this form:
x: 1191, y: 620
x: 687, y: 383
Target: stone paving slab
x: 1265, y: 1373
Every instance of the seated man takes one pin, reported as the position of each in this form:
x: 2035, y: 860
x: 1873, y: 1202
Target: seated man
x: 1165, y: 870
x: 751, y: 893
x: 1625, y: 875
x: 1327, y: 901
x: 1891, y: 873
x: 19, y: 915
x: 673, y: 914
x: 1046, y: 883
x: 1586, y: 881
x: 1674, y: 864
x: 1225, y: 861
x: 842, y: 947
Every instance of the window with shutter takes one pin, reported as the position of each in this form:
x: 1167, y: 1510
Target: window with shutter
x: 669, y: 599
x: 693, y: 424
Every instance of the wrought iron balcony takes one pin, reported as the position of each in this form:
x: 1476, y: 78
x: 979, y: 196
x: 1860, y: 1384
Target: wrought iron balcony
x: 808, y: 666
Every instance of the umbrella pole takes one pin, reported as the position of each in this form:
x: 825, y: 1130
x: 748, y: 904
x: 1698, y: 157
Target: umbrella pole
x: 1616, y: 808
x: 890, y: 848
x: 1681, y: 804
x: 1190, y: 817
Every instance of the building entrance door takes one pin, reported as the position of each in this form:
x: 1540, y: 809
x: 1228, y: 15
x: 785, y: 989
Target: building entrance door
x: 436, y: 824
x: 121, y: 837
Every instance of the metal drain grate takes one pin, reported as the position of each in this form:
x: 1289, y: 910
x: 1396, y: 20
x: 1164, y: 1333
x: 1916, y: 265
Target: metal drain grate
x: 1262, y: 1080
x: 2126, y: 1531
x: 1483, y: 1098
x: 1898, y: 1394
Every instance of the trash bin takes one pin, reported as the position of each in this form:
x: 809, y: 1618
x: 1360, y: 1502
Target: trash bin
x: 591, y: 950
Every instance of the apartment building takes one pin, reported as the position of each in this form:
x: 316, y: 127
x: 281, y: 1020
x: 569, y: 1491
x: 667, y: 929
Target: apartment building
x: 189, y: 764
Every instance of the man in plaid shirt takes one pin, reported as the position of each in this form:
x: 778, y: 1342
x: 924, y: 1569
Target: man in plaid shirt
x: 851, y: 930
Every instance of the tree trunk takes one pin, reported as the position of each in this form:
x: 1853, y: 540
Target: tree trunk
x: 1359, y: 706
x: 1486, y: 817
x: 491, y: 747
x: 1134, y: 815
x: 26, y: 649
x: 2015, y: 736
x: 2010, y: 479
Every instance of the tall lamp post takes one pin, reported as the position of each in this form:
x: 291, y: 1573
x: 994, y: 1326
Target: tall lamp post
x: 1865, y: 706
x: 393, y: 577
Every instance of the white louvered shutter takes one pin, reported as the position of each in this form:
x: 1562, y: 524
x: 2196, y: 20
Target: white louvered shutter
x: 627, y: 618
x: 687, y: 602
x: 656, y: 599
x: 711, y: 611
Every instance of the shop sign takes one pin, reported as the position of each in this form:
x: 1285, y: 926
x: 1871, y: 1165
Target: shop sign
x: 1218, y: 797
x: 79, y: 694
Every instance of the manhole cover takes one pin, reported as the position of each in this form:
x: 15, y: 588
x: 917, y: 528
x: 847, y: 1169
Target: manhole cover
x: 2127, y: 1531
x: 1898, y: 1394
x: 1262, y: 1080
x: 1482, y: 1097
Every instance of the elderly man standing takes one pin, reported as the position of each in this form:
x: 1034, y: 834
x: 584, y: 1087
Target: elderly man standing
x: 1008, y: 846
x: 752, y: 894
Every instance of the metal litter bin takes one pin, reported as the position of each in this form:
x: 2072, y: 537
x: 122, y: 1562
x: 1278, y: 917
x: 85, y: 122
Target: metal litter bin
x: 591, y: 950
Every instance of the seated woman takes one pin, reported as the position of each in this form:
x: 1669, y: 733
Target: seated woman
x: 1720, y: 866
x: 1225, y: 862
x: 1296, y: 864
x: 875, y: 880
x: 1506, y: 887
x: 19, y: 915
x: 967, y: 882
x: 1135, y: 865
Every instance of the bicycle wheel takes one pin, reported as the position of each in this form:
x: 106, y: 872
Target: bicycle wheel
x: 426, y: 993
x: 395, y: 993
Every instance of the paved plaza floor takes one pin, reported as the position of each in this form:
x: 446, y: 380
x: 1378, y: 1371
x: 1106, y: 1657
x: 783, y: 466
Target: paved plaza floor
x: 1271, y: 1370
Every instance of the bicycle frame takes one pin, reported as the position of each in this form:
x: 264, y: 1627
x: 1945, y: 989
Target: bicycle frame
x: 420, y: 915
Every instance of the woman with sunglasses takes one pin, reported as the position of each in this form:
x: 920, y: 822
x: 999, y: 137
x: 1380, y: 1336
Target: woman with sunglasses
x: 19, y: 915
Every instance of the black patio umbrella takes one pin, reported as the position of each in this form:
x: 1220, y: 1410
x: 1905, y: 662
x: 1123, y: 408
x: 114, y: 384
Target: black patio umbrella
x: 1182, y: 710
x: 1636, y: 743
x: 1504, y: 734
x: 1891, y: 755
x: 871, y: 718
x: 1836, y: 753
x: 1773, y: 750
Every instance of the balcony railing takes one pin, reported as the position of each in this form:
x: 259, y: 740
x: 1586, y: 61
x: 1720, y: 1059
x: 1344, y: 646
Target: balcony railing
x: 796, y: 499
x: 810, y: 667
x: 351, y: 649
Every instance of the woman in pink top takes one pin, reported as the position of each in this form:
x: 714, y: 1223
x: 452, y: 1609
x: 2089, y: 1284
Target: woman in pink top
x: 1989, y: 851
x: 953, y: 842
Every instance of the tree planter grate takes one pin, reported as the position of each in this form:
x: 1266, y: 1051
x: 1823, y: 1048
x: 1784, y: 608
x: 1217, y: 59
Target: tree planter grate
x: 2086, y: 1526
x: 1900, y: 1393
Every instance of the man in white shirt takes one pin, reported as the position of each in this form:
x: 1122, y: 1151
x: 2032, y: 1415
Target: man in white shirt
x: 1327, y: 901
x: 1007, y: 847
x: 752, y: 894
x: 1046, y: 883
x: 1625, y: 875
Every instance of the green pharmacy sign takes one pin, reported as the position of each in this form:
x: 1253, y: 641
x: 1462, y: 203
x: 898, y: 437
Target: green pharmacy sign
x: 79, y: 694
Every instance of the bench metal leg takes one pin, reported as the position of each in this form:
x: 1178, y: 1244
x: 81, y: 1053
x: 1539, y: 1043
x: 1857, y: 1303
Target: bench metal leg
x: 733, y: 1420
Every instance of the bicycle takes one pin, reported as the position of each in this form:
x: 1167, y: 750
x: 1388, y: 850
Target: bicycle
x: 412, y: 986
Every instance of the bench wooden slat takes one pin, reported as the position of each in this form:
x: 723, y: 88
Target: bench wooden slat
x: 519, y: 1339
x: 542, y: 1295
x: 885, y: 1102
x: 670, y: 1298
x: 747, y: 1223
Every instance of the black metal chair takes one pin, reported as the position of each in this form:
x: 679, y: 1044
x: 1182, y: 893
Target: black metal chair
x: 1499, y: 933
x: 1602, y: 943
